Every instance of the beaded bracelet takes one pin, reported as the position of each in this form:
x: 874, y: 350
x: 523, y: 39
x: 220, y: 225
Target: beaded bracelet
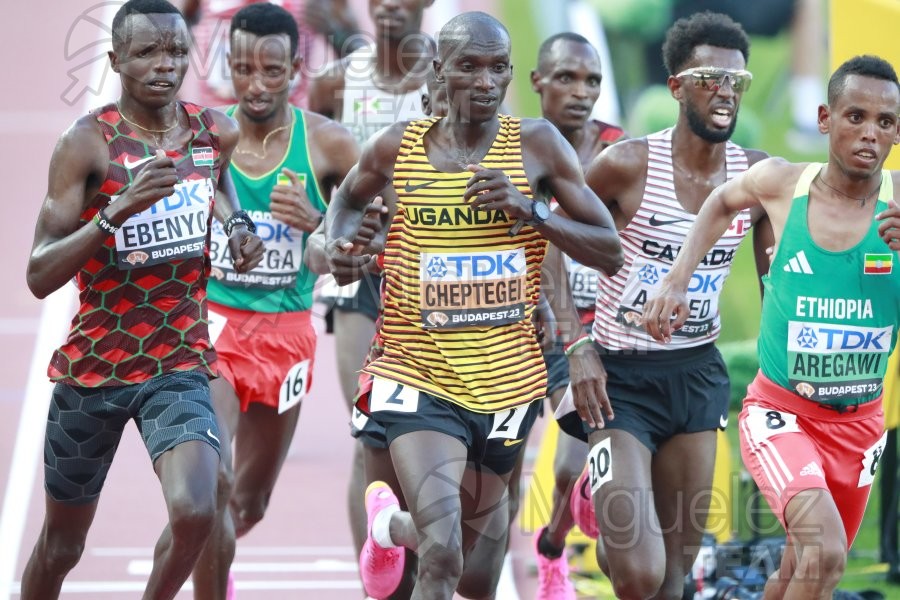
x: 572, y: 346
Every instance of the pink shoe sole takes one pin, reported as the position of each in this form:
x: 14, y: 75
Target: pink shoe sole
x: 582, y: 506
x: 380, y: 569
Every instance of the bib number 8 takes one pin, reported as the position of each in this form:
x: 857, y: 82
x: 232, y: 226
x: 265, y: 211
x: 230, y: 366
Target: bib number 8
x: 766, y: 422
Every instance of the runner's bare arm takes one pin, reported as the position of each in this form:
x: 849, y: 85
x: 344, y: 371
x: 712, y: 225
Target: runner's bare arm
x: 344, y: 218
x: 589, y: 233
x: 62, y: 244
x: 366, y: 179
x: 586, y: 373
x: 617, y: 175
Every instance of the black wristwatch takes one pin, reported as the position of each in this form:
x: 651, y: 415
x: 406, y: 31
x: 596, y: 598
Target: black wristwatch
x: 540, y: 212
x: 238, y: 216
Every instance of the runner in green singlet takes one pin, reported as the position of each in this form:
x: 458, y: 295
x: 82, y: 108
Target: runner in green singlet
x: 812, y: 426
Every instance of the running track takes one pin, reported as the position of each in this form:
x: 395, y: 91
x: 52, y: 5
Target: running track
x: 303, y: 548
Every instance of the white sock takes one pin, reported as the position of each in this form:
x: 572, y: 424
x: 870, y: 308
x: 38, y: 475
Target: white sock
x: 381, y: 526
x: 806, y: 94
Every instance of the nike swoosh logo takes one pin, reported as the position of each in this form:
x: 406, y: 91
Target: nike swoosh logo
x: 129, y: 164
x: 512, y: 442
x: 655, y: 221
x: 723, y: 422
x: 212, y: 435
x: 409, y: 188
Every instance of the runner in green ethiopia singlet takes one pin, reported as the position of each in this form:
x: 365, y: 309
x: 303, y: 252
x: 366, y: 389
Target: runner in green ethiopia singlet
x: 281, y: 283
x: 839, y: 309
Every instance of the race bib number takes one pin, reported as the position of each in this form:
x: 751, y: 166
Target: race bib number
x: 482, y: 289
x: 583, y: 281
x: 216, y: 325
x: 832, y: 362
x: 294, y: 386
x: 870, y: 462
x: 390, y: 395
x: 172, y: 229
x: 764, y: 423
x: 599, y: 463
x: 281, y: 261
x: 507, y: 424
x: 703, y: 297
x: 358, y: 418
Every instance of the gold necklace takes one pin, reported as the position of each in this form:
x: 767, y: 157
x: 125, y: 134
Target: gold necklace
x: 147, y: 129
x: 461, y: 153
x: 862, y: 201
x: 262, y: 156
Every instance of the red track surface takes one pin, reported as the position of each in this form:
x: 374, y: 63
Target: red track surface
x: 303, y: 548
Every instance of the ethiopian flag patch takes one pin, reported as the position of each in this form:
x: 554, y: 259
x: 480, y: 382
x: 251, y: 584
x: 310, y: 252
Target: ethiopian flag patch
x: 878, y: 264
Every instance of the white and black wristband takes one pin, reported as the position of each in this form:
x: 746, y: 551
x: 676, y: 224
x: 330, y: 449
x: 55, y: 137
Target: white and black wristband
x: 102, y: 222
x: 238, y: 217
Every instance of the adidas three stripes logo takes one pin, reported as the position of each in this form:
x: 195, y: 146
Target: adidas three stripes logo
x: 799, y: 264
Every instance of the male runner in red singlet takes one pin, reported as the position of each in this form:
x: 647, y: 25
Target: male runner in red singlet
x: 567, y: 78
x: 131, y: 196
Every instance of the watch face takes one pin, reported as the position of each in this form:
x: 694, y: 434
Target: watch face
x: 541, y: 211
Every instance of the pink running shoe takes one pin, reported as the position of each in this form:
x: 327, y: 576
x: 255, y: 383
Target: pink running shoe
x: 553, y: 575
x: 230, y: 594
x: 380, y: 569
x: 582, y: 506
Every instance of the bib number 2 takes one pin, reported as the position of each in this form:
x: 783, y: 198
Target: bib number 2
x: 390, y: 395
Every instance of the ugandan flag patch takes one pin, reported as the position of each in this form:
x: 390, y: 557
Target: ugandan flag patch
x: 878, y: 264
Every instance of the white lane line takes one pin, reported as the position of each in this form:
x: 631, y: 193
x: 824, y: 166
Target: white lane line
x: 29, y: 438
x: 56, y: 311
x: 119, y: 587
x: 147, y: 551
x: 143, y: 567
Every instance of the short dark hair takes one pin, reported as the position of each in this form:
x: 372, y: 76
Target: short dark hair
x: 264, y: 19
x: 703, y: 28
x: 866, y: 65
x: 567, y: 36
x: 139, y: 7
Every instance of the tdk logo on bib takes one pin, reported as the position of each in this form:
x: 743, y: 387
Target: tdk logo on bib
x: 474, y: 266
x: 472, y: 289
x: 701, y: 283
x: 187, y: 195
x: 822, y: 338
